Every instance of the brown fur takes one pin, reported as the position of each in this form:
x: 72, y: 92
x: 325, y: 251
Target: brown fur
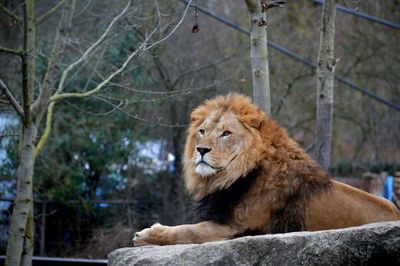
x: 289, y: 193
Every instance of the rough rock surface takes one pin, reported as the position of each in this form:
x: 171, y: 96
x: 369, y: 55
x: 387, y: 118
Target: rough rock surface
x: 373, y: 244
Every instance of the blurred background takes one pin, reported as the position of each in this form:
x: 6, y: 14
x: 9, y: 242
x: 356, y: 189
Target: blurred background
x: 112, y: 164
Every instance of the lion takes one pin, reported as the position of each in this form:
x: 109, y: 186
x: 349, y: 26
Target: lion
x: 248, y: 177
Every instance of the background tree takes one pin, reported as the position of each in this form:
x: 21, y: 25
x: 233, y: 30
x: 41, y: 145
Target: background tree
x: 259, y: 54
x: 325, y: 85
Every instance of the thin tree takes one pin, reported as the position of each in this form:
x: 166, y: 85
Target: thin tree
x: 325, y: 85
x: 259, y: 55
x: 259, y: 51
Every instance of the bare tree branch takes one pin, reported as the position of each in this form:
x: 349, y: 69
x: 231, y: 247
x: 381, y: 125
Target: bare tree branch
x: 268, y: 5
x: 49, y: 12
x: 10, y: 51
x: 186, y: 91
x: 89, y: 50
x: 61, y: 39
x: 9, y: 135
x: 206, y: 66
x: 17, y: 107
x: 10, y: 13
x: 47, y: 130
x: 58, y: 97
x: 173, y: 30
x: 136, y: 117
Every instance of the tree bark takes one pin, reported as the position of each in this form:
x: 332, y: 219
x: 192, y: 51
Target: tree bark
x: 28, y: 60
x: 22, y: 218
x: 259, y: 56
x: 325, y: 85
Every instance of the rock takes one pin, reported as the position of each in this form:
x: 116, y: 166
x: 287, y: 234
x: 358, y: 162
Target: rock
x: 372, y: 244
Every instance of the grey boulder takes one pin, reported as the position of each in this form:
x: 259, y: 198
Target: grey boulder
x: 372, y: 244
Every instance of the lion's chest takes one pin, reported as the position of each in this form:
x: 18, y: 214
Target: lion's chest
x: 219, y: 206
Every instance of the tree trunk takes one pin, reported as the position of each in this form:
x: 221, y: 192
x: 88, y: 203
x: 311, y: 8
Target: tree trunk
x: 259, y: 56
x: 21, y: 226
x: 20, y: 238
x: 325, y: 85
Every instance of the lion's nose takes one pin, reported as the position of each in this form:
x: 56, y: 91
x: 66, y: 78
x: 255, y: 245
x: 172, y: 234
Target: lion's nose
x: 203, y: 150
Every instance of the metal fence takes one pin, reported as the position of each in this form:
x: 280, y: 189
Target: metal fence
x: 47, y: 261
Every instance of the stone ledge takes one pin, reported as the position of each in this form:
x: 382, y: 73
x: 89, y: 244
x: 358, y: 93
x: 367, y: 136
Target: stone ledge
x: 372, y: 244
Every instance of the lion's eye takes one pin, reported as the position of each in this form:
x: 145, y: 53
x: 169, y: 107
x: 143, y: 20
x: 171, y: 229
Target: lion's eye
x: 201, y: 131
x: 226, y: 133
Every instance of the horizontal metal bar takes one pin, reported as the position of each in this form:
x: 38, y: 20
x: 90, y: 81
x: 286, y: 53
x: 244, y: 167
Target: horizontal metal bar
x: 363, y: 15
x: 52, y: 261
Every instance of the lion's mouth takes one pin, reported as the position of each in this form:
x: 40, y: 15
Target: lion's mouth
x: 204, y: 162
x: 205, y: 169
x: 215, y: 169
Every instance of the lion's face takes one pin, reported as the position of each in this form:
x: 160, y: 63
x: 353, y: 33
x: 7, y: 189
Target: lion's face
x: 223, y: 142
x: 219, y: 140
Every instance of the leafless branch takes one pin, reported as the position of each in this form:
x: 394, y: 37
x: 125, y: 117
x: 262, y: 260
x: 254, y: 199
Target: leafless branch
x: 58, y: 97
x: 10, y: 51
x: 10, y: 135
x: 268, y: 5
x: 144, y: 46
x: 121, y: 104
x: 206, y: 66
x: 85, y: 7
x: 86, y: 54
x: 49, y: 12
x: 136, y: 117
x: 10, y: 13
x: 174, y: 92
x: 60, y: 42
x: 172, y: 31
x: 45, y: 136
x: 11, y: 99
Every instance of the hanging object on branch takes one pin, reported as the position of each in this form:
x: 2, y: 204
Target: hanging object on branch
x: 267, y: 5
x: 262, y: 22
x: 196, y: 27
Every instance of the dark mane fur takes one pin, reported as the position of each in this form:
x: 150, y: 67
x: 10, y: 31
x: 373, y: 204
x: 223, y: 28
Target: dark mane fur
x: 291, y: 218
x: 218, y: 206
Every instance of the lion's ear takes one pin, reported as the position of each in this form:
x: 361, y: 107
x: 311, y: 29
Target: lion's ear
x: 197, y: 116
x: 254, y: 119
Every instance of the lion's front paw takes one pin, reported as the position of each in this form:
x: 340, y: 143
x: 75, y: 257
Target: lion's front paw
x: 155, y: 235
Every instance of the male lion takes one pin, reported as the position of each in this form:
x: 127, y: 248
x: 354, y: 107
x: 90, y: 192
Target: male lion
x: 247, y: 177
